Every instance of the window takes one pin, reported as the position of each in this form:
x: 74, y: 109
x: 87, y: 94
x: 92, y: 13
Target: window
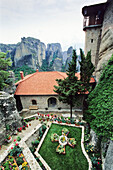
x: 91, y: 40
x: 52, y: 102
x: 34, y: 102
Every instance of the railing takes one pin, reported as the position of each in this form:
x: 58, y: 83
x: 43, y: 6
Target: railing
x: 91, y: 20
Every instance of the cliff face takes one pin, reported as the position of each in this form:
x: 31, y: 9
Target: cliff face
x: 54, y: 56
x: 33, y: 52
x: 106, y: 45
x: 29, y: 52
x: 69, y: 56
x: 9, y: 117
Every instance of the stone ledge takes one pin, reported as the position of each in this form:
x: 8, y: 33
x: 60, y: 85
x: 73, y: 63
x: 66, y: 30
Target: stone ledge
x: 34, y: 165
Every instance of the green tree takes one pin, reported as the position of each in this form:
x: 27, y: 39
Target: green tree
x: 4, y: 64
x: 100, y: 104
x: 26, y: 70
x: 68, y: 88
x: 86, y: 68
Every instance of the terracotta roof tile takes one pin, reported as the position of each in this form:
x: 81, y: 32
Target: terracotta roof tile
x: 40, y: 83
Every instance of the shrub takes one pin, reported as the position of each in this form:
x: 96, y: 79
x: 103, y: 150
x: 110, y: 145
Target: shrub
x: 18, y: 138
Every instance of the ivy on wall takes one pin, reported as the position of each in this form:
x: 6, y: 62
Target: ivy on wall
x: 100, y: 104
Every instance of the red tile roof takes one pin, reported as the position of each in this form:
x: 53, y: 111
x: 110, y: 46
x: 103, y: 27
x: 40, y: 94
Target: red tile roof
x: 41, y: 83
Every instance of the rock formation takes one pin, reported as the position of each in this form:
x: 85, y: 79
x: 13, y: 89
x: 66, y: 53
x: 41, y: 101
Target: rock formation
x: 108, y: 165
x: 11, y: 83
x: 9, y: 117
x: 106, y: 45
x: 29, y: 52
x: 69, y: 56
x: 54, y: 56
x: 33, y: 53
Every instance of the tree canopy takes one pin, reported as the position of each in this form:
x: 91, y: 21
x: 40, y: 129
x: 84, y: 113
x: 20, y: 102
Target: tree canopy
x: 100, y: 104
x: 69, y: 88
x: 4, y: 64
x: 86, y: 68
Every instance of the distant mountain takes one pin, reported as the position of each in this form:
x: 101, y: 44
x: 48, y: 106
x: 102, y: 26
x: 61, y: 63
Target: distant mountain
x: 33, y: 53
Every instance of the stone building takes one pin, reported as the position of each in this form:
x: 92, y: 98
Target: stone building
x: 35, y: 92
x: 98, y: 27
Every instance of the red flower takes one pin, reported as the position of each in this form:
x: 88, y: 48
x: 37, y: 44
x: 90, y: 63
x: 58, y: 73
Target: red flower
x: 16, y: 144
x: 14, y: 140
x: 98, y: 163
x: 19, y: 155
x: 11, y: 147
x: 23, y: 126
x: 27, y: 125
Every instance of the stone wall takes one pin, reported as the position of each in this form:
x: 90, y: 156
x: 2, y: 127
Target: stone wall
x: 9, y: 116
x: 42, y: 102
x: 92, y: 42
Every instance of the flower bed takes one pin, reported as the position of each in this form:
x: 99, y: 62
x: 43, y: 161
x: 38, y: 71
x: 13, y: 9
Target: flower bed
x: 54, y: 137
x: 60, y: 149
x: 65, y: 131
x: 71, y: 142
x: 15, y: 159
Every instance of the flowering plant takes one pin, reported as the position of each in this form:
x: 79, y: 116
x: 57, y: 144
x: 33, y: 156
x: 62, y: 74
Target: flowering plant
x: 19, y: 129
x: 63, y: 139
x: 60, y: 149
x: 72, y: 141
x: 8, y: 137
x: 15, y: 150
x: 54, y: 137
x: 24, y: 127
x: 65, y: 131
x: 89, y: 148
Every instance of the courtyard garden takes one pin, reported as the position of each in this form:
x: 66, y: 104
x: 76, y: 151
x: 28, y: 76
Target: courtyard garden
x: 61, y: 148
x: 73, y: 157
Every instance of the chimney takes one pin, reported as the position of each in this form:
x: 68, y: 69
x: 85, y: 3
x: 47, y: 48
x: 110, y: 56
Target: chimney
x: 37, y: 70
x: 22, y: 74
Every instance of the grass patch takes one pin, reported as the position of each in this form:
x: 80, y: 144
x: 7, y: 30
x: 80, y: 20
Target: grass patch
x: 73, y: 159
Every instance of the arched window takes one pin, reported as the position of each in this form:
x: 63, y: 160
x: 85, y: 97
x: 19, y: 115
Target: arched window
x: 52, y: 102
x: 34, y: 102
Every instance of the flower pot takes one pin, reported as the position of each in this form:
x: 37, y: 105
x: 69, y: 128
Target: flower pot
x: 9, y: 139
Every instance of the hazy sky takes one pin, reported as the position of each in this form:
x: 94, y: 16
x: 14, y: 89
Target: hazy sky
x: 50, y: 21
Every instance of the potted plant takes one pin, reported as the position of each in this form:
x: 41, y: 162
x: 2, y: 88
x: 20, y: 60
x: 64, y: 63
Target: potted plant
x: 8, y: 138
x: 19, y: 129
x: 18, y: 138
x: 24, y: 128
